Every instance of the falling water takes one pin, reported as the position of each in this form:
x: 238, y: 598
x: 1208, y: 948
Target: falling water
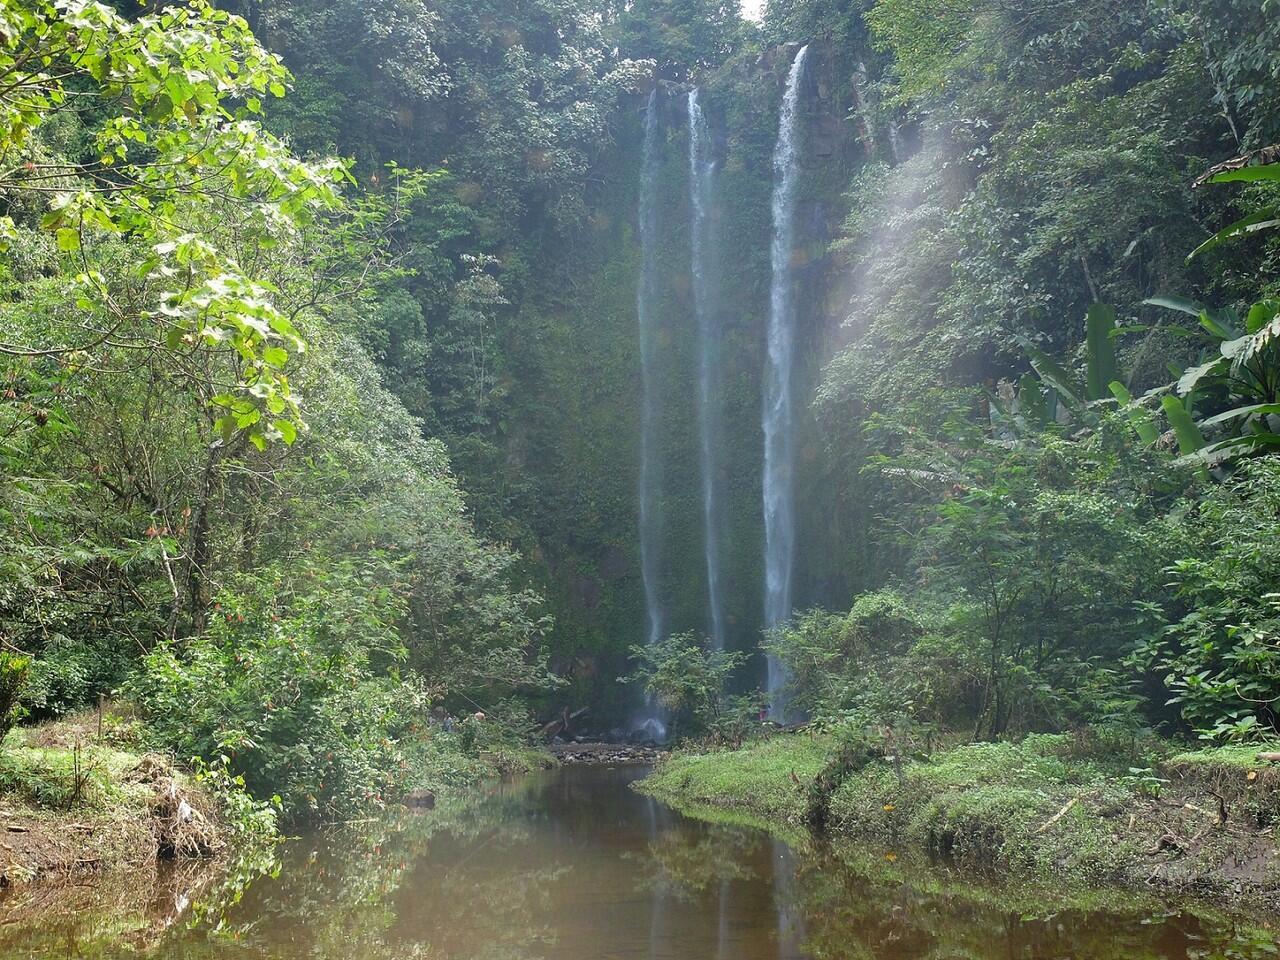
x: 650, y: 447
x: 701, y: 186
x: 779, y: 442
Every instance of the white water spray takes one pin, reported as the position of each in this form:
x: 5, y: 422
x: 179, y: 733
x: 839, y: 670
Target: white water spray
x: 778, y: 418
x: 650, y: 448
x: 702, y: 242
x: 650, y: 413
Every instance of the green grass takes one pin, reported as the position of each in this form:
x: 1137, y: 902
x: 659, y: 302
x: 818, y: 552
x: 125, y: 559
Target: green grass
x: 1057, y: 808
x: 994, y: 804
x: 768, y: 778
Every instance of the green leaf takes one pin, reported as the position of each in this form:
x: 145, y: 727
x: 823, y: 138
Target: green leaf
x: 1033, y: 403
x: 1264, y: 171
x: 288, y: 432
x: 1220, y: 323
x: 1190, y: 439
x: 1054, y: 374
x: 276, y: 356
x: 68, y: 239
x: 1181, y: 304
x: 1100, y: 349
x: 1265, y: 219
x: 1138, y: 418
x: 1260, y: 314
x: 1192, y: 376
x: 1230, y: 448
x: 1256, y: 409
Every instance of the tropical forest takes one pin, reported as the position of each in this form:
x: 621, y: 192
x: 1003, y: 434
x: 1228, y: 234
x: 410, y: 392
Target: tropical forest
x: 664, y: 479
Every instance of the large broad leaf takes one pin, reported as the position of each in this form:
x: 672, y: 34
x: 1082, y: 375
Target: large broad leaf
x: 1139, y: 419
x: 1260, y: 314
x: 1033, y: 401
x: 1100, y: 370
x: 1054, y: 374
x: 1173, y: 328
x: 1267, y: 171
x: 1181, y: 304
x: 1265, y: 219
x: 1255, y: 343
x: 1229, y: 449
x: 1191, y: 378
x: 1255, y: 409
x: 1222, y: 322
x: 1190, y: 439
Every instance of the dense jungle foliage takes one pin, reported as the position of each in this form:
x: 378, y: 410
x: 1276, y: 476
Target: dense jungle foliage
x: 320, y: 371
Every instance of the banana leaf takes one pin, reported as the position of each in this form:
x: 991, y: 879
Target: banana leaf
x: 1100, y: 350
x: 1138, y: 418
x: 1265, y: 219
x: 1190, y: 439
x: 1229, y: 449
x: 1255, y: 409
x: 1265, y: 171
x: 1181, y: 304
x: 1056, y: 376
x: 1192, y: 376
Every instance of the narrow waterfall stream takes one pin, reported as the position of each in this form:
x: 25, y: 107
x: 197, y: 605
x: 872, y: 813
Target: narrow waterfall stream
x: 702, y: 268
x: 650, y: 492
x: 778, y: 418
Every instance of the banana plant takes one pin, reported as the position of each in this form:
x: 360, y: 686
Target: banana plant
x: 1239, y: 378
x: 1260, y: 165
x: 1055, y: 394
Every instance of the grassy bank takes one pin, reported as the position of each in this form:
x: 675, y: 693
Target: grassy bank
x: 1057, y: 808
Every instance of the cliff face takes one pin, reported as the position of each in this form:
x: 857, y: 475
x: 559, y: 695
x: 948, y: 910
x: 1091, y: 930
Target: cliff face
x: 578, y: 433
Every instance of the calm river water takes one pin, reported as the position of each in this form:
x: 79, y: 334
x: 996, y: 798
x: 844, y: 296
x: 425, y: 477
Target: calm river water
x: 575, y: 865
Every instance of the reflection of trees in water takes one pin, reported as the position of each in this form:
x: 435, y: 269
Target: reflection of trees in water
x: 680, y: 865
x: 339, y: 895
x: 104, y: 916
x: 332, y: 895
x: 854, y: 916
x: 475, y: 881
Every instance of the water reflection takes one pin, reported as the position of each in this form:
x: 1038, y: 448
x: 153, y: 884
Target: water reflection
x: 574, y: 865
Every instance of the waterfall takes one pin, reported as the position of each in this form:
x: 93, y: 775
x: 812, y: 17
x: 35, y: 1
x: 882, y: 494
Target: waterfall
x: 650, y: 414
x: 777, y: 419
x: 702, y: 243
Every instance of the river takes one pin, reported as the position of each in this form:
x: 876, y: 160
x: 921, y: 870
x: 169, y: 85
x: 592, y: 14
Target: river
x: 573, y: 864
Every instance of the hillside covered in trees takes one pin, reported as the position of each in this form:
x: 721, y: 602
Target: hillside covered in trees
x: 906, y: 365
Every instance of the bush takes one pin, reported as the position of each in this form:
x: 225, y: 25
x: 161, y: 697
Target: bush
x: 296, y: 686
x: 69, y: 674
x: 1218, y: 655
x: 688, y: 679
x: 14, y: 670
x: 844, y: 664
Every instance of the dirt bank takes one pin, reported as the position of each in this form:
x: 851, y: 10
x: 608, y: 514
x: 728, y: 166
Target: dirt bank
x: 74, y: 800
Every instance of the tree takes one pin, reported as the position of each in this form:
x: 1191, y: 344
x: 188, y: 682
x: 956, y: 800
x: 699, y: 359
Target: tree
x: 168, y: 102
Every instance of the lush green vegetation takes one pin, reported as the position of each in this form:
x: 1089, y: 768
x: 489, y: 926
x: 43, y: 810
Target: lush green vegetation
x: 319, y: 374
x: 211, y: 505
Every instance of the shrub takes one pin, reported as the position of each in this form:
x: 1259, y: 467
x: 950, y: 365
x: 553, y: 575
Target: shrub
x: 688, y: 679
x: 1219, y: 654
x: 842, y: 664
x: 14, y: 670
x: 295, y: 685
x: 69, y: 674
